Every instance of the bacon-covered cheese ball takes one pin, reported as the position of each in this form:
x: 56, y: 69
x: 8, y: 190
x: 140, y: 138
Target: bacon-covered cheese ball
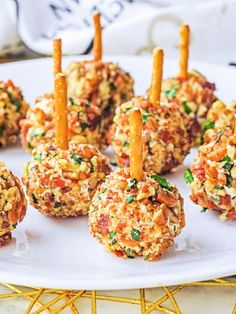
x: 61, y: 182
x: 12, y: 204
x: 12, y: 108
x: 212, y: 177
x: 104, y: 84
x: 165, y: 136
x: 132, y: 218
x: 84, y: 121
x: 219, y: 116
x: 194, y: 97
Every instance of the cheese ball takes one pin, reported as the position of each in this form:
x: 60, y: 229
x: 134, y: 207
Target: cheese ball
x: 166, y: 140
x: 12, y: 204
x: 219, y: 116
x: 194, y: 97
x: 104, y: 84
x: 133, y: 218
x: 84, y: 121
x: 12, y: 108
x: 212, y: 177
x: 61, y: 183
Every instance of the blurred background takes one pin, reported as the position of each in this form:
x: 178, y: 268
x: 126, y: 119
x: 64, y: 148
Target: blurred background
x: 130, y: 27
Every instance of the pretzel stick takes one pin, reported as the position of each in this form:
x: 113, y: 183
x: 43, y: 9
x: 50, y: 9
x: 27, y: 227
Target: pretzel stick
x: 157, y: 71
x: 235, y: 129
x: 184, y: 51
x: 97, y: 41
x: 136, y: 151
x: 60, y: 98
x: 57, y: 55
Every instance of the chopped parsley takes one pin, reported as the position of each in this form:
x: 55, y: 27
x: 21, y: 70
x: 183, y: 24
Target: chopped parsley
x: 218, y: 188
x: 35, y: 200
x: 14, y: 226
x: 229, y: 180
x: 145, y: 117
x: 208, y: 124
x: 112, y: 234
x: 171, y: 93
x: 126, y: 144
x: 163, y: 182
x: 100, y: 194
x: 128, y: 252
x: 91, y: 170
x: 38, y: 157
x: 113, y: 241
x: 37, y: 134
x: 129, y: 199
x: 228, y: 165
x: 227, y: 158
x: 76, y: 159
x: 112, y: 86
x: 215, y: 198
x: 16, y: 103
x: 84, y: 125
x: 219, y: 137
x: 186, y: 107
x: 57, y: 204
x: 204, y: 209
x: 72, y: 102
x: 188, y: 176
x: 135, y: 234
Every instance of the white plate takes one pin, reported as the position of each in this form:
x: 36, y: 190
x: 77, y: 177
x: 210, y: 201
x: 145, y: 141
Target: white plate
x: 60, y: 253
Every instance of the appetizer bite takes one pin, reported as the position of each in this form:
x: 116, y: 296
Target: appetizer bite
x: 84, y: 118
x: 212, y: 177
x: 166, y: 140
x: 104, y: 84
x: 190, y: 90
x: 12, y: 108
x: 12, y: 204
x: 134, y: 213
x: 61, y: 178
x: 219, y: 116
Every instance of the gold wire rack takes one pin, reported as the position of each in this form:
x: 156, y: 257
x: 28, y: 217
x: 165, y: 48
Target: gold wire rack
x: 54, y: 301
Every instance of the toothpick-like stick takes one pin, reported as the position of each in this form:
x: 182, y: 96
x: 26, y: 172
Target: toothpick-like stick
x: 97, y: 41
x: 157, y: 72
x: 235, y: 129
x: 184, y: 51
x: 60, y: 98
x: 136, y: 150
x: 57, y: 56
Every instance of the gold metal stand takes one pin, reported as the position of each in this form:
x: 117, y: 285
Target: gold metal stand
x: 55, y: 301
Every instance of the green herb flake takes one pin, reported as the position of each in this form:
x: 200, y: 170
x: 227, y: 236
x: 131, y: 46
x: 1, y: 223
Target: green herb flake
x: 17, y: 104
x: 113, y: 241
x: 229, y: 180
x: 129, y: 199
x: 219, y: 137
x: 91, y: 170
x: 204, y: 209
x: 84, y: 125
x: 112, y: 86
x: 208, y: 124
x: 227, y: 158
x: 133, y: 183
x: 145, y: 117
x: 126, y: 144
x: 37, y: 134
x: 34, y: 199
x: 228, y: 165
x: 188, y: 176
x: 215, y: 198
x: 76, y: 159
x: 14, y: 226
x: 112, y: 234
x: 129, y: 252
x: 93, y: 211
x: 38, y: 157
x: 72, y: 102
x: 218, y: 188
x: 163, y: 182
x: 135, y: 234
x: 186, y: 107
x: 57, y: 204
x: 171, y: 93
x: 2, y: 127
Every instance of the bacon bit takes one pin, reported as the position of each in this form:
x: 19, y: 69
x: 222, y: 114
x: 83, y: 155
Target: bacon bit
x: 225, y: 200
x: 59, y: 182
x: 119, y: 253
x: 231, y: 215
x: 166, y: 198
x: 165, y: 135
x: 209, y: 85
x: 103, y: 222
